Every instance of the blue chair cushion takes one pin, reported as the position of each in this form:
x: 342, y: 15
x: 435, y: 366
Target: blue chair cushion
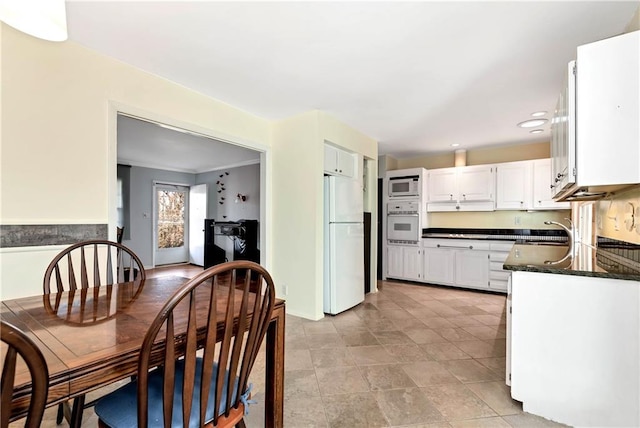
x: 119, y: 408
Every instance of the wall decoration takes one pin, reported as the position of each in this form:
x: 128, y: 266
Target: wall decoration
x: 221, y: 190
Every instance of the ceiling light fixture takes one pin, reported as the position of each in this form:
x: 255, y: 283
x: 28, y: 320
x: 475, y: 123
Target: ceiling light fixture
x: 538, y: 113
x: 536, y: 131
x: 45, y: 19
x: 455, y: 145
x: 532, y: 123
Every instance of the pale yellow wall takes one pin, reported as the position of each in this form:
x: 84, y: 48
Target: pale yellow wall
x: 298, y: 149
x: 480, y: 156
x: 56, y: 144
x: 58, y: 105
x: 297, y: 211
x: 498, y: 219
x: 613, y: 216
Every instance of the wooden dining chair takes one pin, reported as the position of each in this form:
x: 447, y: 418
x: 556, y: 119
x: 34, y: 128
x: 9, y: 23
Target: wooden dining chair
x: 17, y: 344
x: 82, y: 266
x: 203, y: 344
x: 91, y: 264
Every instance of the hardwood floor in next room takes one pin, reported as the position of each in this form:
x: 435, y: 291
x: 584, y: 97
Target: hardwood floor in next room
x: 409, y: 356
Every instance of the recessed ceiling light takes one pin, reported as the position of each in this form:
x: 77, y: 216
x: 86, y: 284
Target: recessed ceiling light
x: 536, y: 131
x: 532, y: 123
x: 455, y: 145
x: 538, y: 113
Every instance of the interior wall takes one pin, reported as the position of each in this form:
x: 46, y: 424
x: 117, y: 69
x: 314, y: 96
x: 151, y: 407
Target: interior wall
x: 141, y: 207
x: 244, y: 180
x: 614, y: 218
x: 498, y: 219
x: 480, y: 156
x: 634, y: 24
x: 297, y: 212
x: 58, y: 163
x: 59, y: 104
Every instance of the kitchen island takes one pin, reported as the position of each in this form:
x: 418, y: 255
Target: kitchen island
x: 573, y: 332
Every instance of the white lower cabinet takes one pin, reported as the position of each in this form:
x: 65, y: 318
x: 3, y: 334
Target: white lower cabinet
x: 458, y: 262
x: 574, y: 345
x: 438, y: 265
x: 472, y: 268
x: 404, y: 262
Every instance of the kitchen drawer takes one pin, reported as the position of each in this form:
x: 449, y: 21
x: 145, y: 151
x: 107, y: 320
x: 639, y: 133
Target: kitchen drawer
x: 496, y: 266
x: 498, y: 285
x: 502, y: 275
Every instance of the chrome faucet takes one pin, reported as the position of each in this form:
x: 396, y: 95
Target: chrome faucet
x: 570, y: 232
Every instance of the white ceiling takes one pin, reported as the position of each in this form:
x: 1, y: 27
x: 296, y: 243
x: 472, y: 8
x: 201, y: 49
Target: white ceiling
x: 416, y: 76
x: 141, y: 143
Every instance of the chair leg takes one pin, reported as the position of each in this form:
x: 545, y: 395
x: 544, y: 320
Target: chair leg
x: 60, y: 415
x: 76, y: 412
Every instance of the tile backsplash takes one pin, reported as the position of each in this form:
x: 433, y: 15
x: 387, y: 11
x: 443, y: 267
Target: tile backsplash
x: 618, y: 217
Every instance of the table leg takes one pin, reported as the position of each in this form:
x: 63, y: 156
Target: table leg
x: 274, y: 394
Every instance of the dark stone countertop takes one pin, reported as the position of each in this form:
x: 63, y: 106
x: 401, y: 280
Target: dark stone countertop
x: 586, y: 261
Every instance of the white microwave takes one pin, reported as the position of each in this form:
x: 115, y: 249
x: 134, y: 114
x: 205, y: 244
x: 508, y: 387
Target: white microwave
x: 404, y: 186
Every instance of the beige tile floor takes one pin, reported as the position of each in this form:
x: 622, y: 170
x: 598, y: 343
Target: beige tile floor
x: 410, y: 355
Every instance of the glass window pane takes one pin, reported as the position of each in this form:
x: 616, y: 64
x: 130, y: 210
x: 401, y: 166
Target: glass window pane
x: 171, y: 210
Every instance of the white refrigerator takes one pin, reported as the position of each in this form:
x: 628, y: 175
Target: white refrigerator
x: 343, y: 244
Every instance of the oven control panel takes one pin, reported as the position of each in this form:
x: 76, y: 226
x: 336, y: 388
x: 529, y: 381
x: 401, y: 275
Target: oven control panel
x: 406, y: 207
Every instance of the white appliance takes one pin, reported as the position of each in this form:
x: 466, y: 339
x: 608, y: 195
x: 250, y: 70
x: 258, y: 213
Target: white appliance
x: 403, y: 223
x: 403, y: 187
x: 343, y: 244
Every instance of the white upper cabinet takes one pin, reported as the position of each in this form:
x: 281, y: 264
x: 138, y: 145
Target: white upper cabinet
x: 605, y: 89
x: 513, y: 185
x: 339, y: 162
x: 526, y: 185
x: 467, y: 188
x: 542, y: 193
x: 442, y: 185
x: 476, y: 183
x: 607, y: 109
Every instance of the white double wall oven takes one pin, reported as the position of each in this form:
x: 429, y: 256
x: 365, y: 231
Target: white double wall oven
x: 405, y: 208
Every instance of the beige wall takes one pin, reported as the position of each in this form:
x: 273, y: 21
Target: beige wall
x: 614, y: 219
x: 498, y: 219
x: 58, y: 108
x: 479, y: 156
x: 58, y: 141
x: 296, y: 212
x: 298, y: 148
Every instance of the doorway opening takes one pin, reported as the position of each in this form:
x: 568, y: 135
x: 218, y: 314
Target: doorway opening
x: 171, y: 226
x: 173, y: 185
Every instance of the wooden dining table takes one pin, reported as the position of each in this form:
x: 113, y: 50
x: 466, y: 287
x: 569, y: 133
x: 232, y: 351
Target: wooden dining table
x: 91, y: 338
